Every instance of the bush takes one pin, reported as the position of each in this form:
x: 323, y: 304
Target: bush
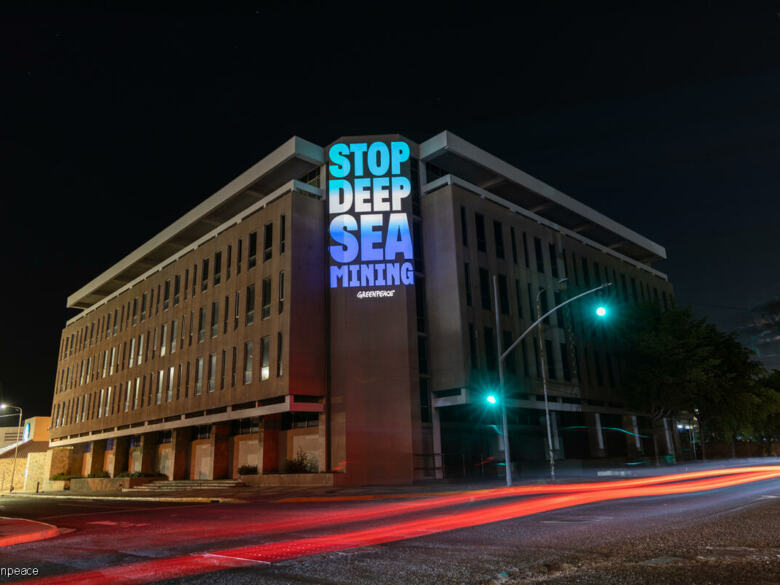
x: 140, y: 474
x: 100, y: 474
x: 64, y: 477
x: 303, y: 463
x: 247, y: 470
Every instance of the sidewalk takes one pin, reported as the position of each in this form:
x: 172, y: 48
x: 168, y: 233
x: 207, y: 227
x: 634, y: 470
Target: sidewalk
x: 17, y: 531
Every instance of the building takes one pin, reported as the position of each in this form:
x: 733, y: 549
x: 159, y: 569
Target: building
x: 337, y: 303
x: 27, y: 460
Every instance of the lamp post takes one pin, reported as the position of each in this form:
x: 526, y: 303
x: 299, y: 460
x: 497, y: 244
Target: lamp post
x: 16, y: 449
x: 502, y: 357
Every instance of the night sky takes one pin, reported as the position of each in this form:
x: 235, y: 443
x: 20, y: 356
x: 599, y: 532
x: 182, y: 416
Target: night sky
x: 113, y: 125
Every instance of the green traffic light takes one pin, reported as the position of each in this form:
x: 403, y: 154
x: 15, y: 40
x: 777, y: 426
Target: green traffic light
x: 601, y: 312
x: 491, y: 399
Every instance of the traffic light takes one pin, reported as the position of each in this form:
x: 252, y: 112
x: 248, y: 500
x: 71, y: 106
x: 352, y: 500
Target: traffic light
x: 601, y: 311
x: 491, y: 399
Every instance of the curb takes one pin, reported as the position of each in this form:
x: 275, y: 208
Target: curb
x: 183, y: 499
x: 43, y: 532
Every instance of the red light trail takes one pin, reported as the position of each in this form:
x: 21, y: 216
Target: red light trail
x: 564, y: 496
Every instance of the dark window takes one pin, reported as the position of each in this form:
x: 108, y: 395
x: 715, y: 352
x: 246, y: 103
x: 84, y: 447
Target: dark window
x: 281, y: 291
x: 484, y: 288
x: 422, y: 354
x: 467, y: 277
x: 186, y: 282
x: 166, y: 295
x: 229, y: 260
x: 503, y: 294
x: 282, y: 235
x: 480, y: 222
x: 585, y: 272
x: 135, y: 316
x: 491, y: 356
x: 525, y: 251
x: 498, y: 234
x: 279, y: 362
x: 464, y: 236
x: 176, y: 289
x: 214, y: 318
x: 473, y: 347
x: 252, y: 251
x: 531, y: 301
x: 250, y: 304
x: 217, y: 268
x: 524, y: 352
x: 548, y: 350
x: 266, y: 298
x: 553, y: 260
x: 204, y: 277
x: 544, y: 304
x: 239, y: 253
x: 144, y: 298
x: 519, y: 298
x: 201, y: 325
x: 539, y: 255
x: 514, y: 244
x: 236, y: 310
x: 194, y: 278
x: 268, y: 242
x: 425, y: 400
x: 565, y: 362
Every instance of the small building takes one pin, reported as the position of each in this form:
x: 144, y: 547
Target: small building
x: 26, y: 460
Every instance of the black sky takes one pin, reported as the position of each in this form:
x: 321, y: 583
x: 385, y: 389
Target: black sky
x: 114, y: 124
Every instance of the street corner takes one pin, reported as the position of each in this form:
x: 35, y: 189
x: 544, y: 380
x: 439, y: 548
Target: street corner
x: 19, y: 531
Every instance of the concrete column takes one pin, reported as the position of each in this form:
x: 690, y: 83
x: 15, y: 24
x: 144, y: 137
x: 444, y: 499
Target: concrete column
x: 121, y: 456
x: 182, y: 443
x: 98, y: 455
x: 148, y: 452
x: 220, y: 437
x: 595, y: 434
x: 555, y: 436
x: 438, y: 464
x: 272, y: 425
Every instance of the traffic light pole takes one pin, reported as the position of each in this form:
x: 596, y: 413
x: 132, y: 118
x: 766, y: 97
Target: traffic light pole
x: 506, y: 352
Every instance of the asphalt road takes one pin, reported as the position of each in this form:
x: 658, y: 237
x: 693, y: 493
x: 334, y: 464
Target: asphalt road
x: 728, y: 535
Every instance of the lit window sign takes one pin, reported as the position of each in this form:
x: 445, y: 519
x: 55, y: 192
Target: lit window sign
x: 370, y: 240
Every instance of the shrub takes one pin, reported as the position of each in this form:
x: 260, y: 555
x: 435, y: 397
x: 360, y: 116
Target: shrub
x: 140, y: 474
x: 64, y: 477
x: 247, y: 470
x: 303, y: 463
x: 100, y: 474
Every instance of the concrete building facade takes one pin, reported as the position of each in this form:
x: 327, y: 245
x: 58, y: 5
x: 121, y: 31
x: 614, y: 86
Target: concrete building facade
x: 335, y: 305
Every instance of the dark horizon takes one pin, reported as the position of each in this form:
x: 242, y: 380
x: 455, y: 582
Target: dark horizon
x: 116, y: 124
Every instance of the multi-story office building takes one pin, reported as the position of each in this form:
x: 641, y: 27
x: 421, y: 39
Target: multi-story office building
x: 338, y: 302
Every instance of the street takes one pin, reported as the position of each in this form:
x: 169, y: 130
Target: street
x: 716, y: 528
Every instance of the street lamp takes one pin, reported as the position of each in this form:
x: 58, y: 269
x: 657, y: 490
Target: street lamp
x: 502, y: 357
x: 18, y: 434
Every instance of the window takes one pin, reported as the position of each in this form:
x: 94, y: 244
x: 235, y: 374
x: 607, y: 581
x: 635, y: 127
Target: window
x: 553, y: 260
x: 128, y: 388
x: 464, y: 236
x: 525, y: 251
x: 484, y: 288
x: 214, y: 318
x: 548, y: 350
x: 279, y: 363
x: 225, y: 318
x: 187, y: 381
x: 212, y: 371
x: 100, y: 405
x: 157, y: 302
x: 132, y: 357
x: 518, y: 298
x: 236, y: 316
x: 186, y: 282
x: 467, y: 278
x: 539, y: 255
x: 514, y: 244
x: 265, y: 351
x: 266, y: 312
x: 268, y: 242
x: 176, y: 289
x: 233, y: 368
x: 565, y: 362
x: 239, y: 251
x: 281, y: 291
x: 473, y: 347
x: 171, y: 375
x: 222, y: 371
x: 144, y: 298
x: 202, y: 324
x: 252, y: 250
x: 166, y: 295
x: 160, y: 381
x: 135, y: 314
x: 248, y: 362
x: 198, y: 376
x: 498, y: 234
x: 140, y: 349
x: 217, y: 268
x: 503, y: 294
x: 163, y: 341
x: 229, y: 260
x: 192, y: 324
x: 480, y: 223
x: 174, y: 326
x: 250, y: 304
x: 585, y: 272
x: 194, y: 278
x: 282, y: 229
x: 491, y: 355
x: 204, y: 276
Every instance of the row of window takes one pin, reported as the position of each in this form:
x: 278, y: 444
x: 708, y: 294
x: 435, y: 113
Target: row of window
x: 170, y: 292
x: 107, y: 362
x: 567, y: 356
x: 162, y: 384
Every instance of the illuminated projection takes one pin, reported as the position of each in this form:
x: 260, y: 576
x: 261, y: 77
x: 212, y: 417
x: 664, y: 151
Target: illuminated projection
x: 370, y: 241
